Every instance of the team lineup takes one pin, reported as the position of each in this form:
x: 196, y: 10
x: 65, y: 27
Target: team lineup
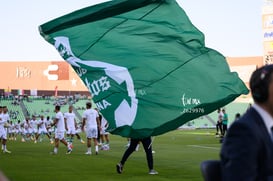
x: 63, y: 128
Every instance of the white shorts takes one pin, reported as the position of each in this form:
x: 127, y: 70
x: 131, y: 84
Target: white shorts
x: 50, y: 130
x: 59, y: 135
x: 17, y: 131
x: 78, y: 131
x: 32, y: 130
x: 92, y: 132
x: 25, y: 131
x: 71, y: 131
x: 3, y: 134
x: 103, y: 131
x: 40, y: 131
x: 11, y: 131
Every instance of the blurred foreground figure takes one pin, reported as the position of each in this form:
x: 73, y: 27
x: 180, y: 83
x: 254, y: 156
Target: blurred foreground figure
x: 247, y: 151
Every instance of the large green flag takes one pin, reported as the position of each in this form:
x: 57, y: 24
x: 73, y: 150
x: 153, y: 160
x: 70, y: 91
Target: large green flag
x: 144, y: 63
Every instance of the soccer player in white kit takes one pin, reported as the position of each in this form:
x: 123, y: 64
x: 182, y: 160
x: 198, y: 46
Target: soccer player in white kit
x: 4, y: 118
x: 48, y: 123
x: 70, y: 125
x: 104, y: 135
x: 10, y: 130
x: 78, y: 131
x: 33, y: 124
x: 42, y: 129
x: 25, y: 131
x: 17, y: 129
x: 59, y: 132
x: 90, y: 118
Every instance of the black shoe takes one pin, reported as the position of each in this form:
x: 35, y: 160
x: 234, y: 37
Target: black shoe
x: 119, y: 168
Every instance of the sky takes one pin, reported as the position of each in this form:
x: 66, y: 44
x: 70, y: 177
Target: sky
x: 232, y: 27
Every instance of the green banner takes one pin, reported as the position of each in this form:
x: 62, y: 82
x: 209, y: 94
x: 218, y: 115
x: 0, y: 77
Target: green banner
x: 145, y: 64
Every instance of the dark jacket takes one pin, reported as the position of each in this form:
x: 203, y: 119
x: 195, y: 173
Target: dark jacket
x: 247, y: 150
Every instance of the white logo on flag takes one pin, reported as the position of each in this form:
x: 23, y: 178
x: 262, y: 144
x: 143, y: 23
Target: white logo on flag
x: 124, y: 114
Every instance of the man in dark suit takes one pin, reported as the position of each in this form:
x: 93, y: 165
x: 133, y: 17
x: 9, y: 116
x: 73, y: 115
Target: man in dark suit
x: 247, y: 150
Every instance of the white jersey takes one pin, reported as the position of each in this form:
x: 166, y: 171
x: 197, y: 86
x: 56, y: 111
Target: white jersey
x: 48, y: 122
x: 220, y: 116
x: 70, y: 119
x: 48, y: 125
x: 5, y: 117
x: 91, y: 118
x: 2, y: 122
x: 11, y: 128
x: 25, y: 124
x: 26, y: 127
x: 17, y: 128
x: 33, y: 124
x: 41, y: 124
x: 60, y: 122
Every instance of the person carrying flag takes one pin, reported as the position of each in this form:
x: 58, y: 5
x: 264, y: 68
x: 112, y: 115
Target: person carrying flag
x: 147, y: 144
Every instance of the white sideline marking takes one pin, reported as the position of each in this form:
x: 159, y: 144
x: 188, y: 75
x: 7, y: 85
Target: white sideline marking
x: 207, y: 147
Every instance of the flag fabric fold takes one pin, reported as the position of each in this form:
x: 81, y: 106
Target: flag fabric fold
x: 145, y: 64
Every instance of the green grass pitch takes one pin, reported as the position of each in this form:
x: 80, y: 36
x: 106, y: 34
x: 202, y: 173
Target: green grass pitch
x: 177, y: 156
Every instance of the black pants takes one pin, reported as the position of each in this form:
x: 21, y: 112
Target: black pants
x: 219, y: 127
x: 146, y: 142
x: 224, y: 129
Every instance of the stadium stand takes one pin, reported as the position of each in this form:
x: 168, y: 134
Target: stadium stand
x: 15, y: 110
